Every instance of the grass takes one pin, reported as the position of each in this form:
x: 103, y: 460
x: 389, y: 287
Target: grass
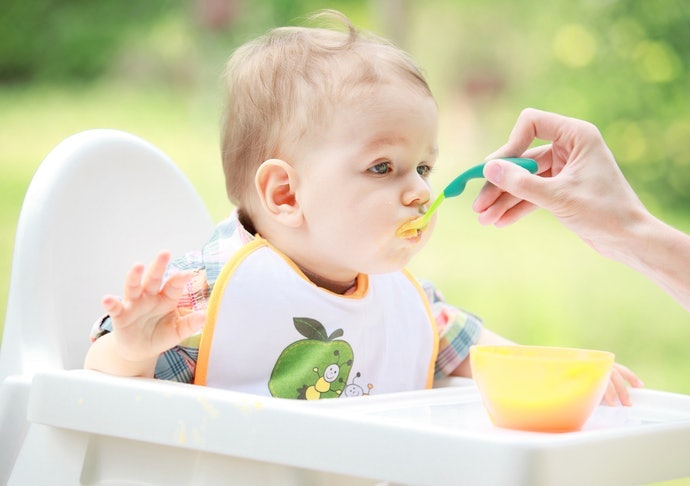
x: 535, y: 282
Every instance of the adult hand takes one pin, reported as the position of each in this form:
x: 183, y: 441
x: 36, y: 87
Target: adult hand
x: 579, y: 181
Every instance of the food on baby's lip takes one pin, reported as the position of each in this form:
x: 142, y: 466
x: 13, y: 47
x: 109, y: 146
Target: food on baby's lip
x: 410, y: 233
x: 538, y: 388
x: 409, y: 229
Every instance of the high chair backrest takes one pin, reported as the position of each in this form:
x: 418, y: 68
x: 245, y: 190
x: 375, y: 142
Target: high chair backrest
x: 100, y: 201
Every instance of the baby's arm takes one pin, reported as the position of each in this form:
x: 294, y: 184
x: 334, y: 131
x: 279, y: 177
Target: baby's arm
x: 146, y: 322
x: 485, y: 337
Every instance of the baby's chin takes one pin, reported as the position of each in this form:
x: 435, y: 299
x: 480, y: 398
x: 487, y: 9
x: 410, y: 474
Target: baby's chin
x: 395, y: 262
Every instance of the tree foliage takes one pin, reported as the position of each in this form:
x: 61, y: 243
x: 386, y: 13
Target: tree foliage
x: 61, y: 40
x: 622, y: 64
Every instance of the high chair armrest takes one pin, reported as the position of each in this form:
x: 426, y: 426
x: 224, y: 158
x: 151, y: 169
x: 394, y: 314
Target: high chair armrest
x: 335, y: 436
x: 428, y: 437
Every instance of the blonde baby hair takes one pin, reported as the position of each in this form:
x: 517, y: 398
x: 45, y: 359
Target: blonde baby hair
x: 281, y: 86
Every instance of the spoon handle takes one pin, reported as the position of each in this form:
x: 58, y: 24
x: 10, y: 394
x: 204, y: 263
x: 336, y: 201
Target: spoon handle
x: 457, y: 185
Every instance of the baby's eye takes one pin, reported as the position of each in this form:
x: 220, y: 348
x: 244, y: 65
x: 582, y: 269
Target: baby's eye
x: 381, y: 168
x: 424, y: 170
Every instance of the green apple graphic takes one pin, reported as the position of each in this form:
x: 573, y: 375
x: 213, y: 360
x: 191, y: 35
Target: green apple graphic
x: 312, y: 368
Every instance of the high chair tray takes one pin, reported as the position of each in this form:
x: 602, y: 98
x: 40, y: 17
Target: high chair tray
x: 440, y: 436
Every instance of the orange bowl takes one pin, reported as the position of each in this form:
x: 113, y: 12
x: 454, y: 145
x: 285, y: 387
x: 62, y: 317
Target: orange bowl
x: 537, y: 388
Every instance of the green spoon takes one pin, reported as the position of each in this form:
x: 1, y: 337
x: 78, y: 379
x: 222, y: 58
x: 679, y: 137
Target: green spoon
x: 454, y: 189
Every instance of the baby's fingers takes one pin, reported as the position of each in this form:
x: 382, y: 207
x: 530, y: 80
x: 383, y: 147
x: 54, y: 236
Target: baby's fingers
x: 190, y: 324
x: 617, y: 388
x: 179, y: 328
x: 151, y: 283
x: 174, y: 286
x: 132, y: 290
x: 112, y: 305
x: 621, y: 377
x: 628, y: 375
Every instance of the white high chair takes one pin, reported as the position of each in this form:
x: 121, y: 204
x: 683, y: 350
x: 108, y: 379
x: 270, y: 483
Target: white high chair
x: 104, y: 199
x: 101, y: 200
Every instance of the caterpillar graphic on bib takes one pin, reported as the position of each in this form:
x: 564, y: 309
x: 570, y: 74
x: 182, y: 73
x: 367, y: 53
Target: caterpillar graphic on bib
x: 312, y: 368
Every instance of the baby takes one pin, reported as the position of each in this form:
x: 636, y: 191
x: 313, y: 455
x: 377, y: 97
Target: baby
x: 328, y: 141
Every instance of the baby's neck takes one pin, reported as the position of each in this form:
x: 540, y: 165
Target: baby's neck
x: 337, y: 287
x: 341, y: 287
x: 246, y: 221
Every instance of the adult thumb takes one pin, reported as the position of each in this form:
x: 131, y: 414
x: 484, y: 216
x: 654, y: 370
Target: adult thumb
x: 518, y: 181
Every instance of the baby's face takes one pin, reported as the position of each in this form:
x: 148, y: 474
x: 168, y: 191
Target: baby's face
x: 366, y: 174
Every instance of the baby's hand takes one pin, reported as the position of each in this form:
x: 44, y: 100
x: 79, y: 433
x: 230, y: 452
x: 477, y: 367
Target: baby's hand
x: 618, y: 386
x: 146, y: 321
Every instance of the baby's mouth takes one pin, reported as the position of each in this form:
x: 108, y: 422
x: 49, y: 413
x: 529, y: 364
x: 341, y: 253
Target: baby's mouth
x: 407, y: 234
x: 411, y: 229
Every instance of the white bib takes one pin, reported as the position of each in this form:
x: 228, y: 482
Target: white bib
x: 270, y: 331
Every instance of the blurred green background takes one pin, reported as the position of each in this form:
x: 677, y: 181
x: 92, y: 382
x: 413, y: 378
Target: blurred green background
x: 153, y: 68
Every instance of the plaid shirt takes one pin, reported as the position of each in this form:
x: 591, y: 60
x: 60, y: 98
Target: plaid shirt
x: 458, y: 330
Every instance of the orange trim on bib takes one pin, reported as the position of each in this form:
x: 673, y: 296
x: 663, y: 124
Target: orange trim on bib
x: 362, y: 280
x: 434, y: 327
x: 214, y: 303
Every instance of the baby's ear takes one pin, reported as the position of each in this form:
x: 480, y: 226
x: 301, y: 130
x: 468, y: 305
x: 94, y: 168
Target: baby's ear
x: 275, y: 183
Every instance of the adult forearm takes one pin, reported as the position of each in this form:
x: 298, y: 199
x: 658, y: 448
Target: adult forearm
x: 662, y: 253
